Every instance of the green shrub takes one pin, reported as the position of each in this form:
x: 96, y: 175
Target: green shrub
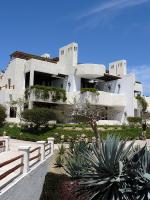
x: 93, y: 90
x: 143, y: 103
x: 44, y: 92
x: 134, y: 120
x: 38, y: 116
x: 56, y: 132
x: 2, y: 115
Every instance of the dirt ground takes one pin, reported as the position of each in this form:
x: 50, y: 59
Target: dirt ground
x: 52, y: 180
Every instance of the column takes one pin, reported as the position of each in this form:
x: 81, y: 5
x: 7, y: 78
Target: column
x: 7, y: 140
x: 25, y: 150
x: 51, y: 141
x: 42, y: 145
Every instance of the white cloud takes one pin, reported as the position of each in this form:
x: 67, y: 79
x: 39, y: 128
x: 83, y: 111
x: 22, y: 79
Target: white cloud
x: 113, y: 5
x: 143, y: 74
x: 103, y: 13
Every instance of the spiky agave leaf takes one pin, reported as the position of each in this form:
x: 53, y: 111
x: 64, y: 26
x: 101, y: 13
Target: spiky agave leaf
x: 105, y: 178
x: 141, y: 170
x: 76, y: 163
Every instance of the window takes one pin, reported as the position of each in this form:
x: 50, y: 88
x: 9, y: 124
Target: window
x: 13, y: 112
x: 112, y: 67
x: 109, y: 88
x: 136, y: 93
x: 9, y: 83
x: 75, y: 48
x: 69, y: 49
x: 62, y: 52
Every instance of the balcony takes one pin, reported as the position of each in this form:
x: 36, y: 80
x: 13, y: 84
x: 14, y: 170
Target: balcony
x: 45, y: 94
x: 138, y: 87
x: 98, y: 98
x: 90, y: 70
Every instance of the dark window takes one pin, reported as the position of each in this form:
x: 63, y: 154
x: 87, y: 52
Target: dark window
x: 27, y: 79
x: 9, y: 83
x: 86, y: 84
x: 109, y: 88
x: 13, y: 112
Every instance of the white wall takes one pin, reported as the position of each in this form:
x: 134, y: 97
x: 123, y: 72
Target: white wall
x: 90, y: 70
x: 127, y: 88
x: 148, y: 101
x: 73, y: 83
x: 104, y: 98
x: 15, y: 71
x: 138, y: 87
x: 126, y: 84
x: 68, y: 55
x: 118, y: 68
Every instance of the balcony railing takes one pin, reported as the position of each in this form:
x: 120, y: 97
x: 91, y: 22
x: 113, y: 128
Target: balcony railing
x: 46, y: 94
x: 99, y: 98
x: 24, y: 162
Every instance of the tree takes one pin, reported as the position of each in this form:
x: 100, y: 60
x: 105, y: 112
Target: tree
x: 2, y: 115
x: 90, y: 114
x: 38, y: 116
x: 142, y: 105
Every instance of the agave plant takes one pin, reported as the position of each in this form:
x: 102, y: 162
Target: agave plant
x: 106, y: 174
x: 59, y: 162
x: 140, y: 174
x: 116, y: 171
x: 75, y: 162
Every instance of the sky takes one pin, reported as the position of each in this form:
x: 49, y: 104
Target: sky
x: 105, y: 30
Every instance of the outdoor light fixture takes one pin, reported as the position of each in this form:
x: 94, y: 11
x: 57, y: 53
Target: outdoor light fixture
x: 69, y: 84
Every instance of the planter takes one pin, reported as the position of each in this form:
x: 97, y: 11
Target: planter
x: 67, y: 190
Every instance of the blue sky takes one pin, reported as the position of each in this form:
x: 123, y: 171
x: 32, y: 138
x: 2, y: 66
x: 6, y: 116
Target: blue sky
x: 106, y: 30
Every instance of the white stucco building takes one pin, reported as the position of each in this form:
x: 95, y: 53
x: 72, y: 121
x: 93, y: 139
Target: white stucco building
x: 117, y: 89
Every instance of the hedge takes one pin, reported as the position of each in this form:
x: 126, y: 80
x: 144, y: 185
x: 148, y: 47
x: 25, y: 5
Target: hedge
x: 134, y: 119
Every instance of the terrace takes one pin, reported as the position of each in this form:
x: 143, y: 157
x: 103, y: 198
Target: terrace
x: 22, y: 161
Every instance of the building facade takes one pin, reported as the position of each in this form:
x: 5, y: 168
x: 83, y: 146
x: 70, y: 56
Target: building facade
x: 62, y: 80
